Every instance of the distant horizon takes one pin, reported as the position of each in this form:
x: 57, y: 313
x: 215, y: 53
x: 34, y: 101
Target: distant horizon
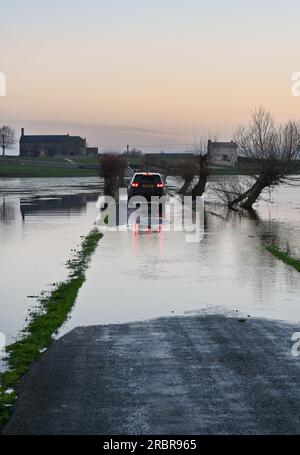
x: 116, y: 137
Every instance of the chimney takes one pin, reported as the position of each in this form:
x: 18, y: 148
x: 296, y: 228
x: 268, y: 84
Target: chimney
x: 209, y: 146
x: 22, y: 131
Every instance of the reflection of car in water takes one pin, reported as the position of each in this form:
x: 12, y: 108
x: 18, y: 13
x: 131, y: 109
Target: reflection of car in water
x: 146, y: 184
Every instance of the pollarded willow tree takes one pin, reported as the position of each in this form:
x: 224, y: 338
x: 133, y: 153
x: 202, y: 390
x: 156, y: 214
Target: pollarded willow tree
x: 272, y: 151
x: 187, y: 174
x: 201, y: 160
x: 112, y: 167
x: 195, y: 169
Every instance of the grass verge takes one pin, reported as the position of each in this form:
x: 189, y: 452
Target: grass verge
x: 52, y: 311
x: 285, y: 257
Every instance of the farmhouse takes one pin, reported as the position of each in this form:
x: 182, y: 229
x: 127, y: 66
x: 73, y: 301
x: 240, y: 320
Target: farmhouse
x: 222, y: 153
x: 49, y: 146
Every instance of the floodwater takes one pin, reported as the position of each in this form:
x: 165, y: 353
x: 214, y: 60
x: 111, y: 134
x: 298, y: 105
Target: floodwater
x: 41, y: 220
x: 136, y: 275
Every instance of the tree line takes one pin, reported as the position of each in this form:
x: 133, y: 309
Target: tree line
x: 272, y: 149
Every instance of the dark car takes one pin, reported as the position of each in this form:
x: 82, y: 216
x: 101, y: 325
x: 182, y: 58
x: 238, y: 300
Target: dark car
x: 146, y: 184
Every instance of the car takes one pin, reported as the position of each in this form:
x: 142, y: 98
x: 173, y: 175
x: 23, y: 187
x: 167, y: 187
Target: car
x: 146, y: 184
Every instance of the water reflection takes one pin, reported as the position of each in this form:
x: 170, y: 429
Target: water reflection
x: 45, y: 186
x: 7, y: 211
x: 137, y: 275
x: 41, y: 221
x: 56, y: 205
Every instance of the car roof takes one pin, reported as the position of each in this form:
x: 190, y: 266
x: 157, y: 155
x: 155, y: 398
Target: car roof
x: 147, y: 173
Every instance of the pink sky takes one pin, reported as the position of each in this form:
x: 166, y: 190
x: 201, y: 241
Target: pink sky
x: 154, y: 73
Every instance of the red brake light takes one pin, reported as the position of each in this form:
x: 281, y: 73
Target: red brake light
x: 160, y: 185
x: 134, y: 185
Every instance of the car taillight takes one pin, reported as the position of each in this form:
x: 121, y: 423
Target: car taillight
x: 134, y: 185
x: 160, y: 185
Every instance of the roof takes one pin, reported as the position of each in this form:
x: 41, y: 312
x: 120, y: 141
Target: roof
x: 224, y: 145
x: 51, y: 138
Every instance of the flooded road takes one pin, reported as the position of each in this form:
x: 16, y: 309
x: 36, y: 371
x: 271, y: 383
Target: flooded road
x: 140, y: 275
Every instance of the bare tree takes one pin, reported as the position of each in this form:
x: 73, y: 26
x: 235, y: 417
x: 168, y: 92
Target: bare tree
x: 196, y: 167
x: 7, y: 138
x: 187, y: 173
x: 229, y: 188
x: 112, y: 167
x: 272, y: 150
x: 201, y: 167
x: 202, y: 158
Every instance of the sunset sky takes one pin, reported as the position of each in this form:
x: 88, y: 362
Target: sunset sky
x: 151, y: 73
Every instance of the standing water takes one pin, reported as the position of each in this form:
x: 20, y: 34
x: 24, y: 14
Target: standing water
x: 41, y: 220
x: 139, y: 275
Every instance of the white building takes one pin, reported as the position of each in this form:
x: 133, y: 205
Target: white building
x: 222, y: 153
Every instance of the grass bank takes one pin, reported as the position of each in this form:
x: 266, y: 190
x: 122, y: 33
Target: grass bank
x: 27, y: 170
x: 59, y: 159
x: 52, y: 311
x: 285, y: 257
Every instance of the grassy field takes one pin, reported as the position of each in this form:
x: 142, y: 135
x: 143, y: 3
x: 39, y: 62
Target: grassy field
x: 21, y: 170
x: 40, y: 170
x: 61, y: 159
x: 229, y: 171
x: 37, y: 167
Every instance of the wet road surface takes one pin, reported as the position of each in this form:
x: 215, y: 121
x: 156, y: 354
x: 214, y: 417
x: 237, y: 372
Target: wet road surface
x: 208, y: 374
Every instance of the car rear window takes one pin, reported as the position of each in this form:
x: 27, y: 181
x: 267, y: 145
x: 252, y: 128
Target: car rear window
x: 141, y: 178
